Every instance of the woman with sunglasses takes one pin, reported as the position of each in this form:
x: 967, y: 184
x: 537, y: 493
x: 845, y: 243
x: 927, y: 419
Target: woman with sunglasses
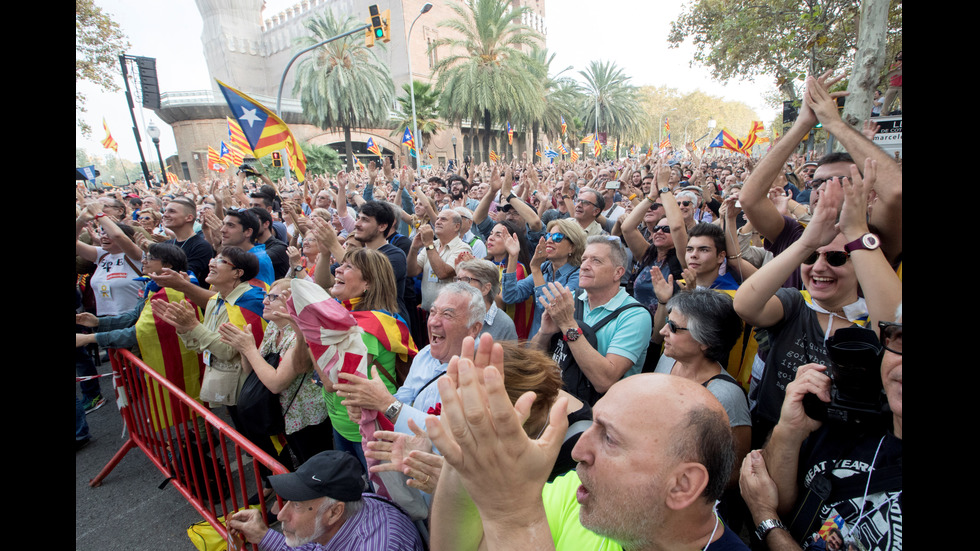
x: 833, y: 260
x: 557, y: 258
x: 653, y: 247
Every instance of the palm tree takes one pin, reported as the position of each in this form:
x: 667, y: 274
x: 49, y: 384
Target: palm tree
x: 426, y: 110
x: 560, y: 96
x: 609, y: 94
x: 343, y: 85
x: 321, y: 159
x: 486, y: 76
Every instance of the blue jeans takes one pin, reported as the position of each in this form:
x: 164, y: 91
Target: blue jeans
x: 81, y: 424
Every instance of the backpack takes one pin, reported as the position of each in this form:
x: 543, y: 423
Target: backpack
x: 574, y: 381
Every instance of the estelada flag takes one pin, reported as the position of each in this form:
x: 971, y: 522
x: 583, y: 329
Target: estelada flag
x: 108, y: 142
x: 238, y: 141
x: 408, y: 139
x: 564, y: 127
x: 264, y: 131
x: 373, y: 147
x: 214, y: 160
x: 726, y: 141
x: 510, y: 133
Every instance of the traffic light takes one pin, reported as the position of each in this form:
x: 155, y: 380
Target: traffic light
x: 379, y: 27
x: 276, y: 159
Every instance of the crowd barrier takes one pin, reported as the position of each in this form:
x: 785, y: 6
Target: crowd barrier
x: 201, y: 455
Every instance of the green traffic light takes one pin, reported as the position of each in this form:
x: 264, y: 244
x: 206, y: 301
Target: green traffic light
x: 379, y: 33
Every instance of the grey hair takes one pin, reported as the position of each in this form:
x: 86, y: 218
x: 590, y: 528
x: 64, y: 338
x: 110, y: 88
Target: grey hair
x: 486, y: 272
x: 711, y: 319
x: 351, y: 508
x: 477, y: 308
x: 616, y: 252
x: 694, y: 196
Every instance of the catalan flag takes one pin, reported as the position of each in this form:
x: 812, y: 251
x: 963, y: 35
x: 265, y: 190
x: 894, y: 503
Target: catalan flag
x: 108, y: 142
x: 247, y: 310
x: 564, y: 127
x: 537, y: 152
x: 238, y: 141
x: 588, y: 139
x: 226, y: 154
x: 373, y: 147
x: 214, y: 160
x: 561, y: 149
x: 597, y: 147
x: 407, y: 138
x: 666, y: 143
x: 493, y: 156
x: 510, y: 134
x: 360, y: 165
x: 828, y: 525
x: 172, y: 178
x: 753, y: 137
x: 727, y: 141
x: 574, y: 155
x: 390, y: 331
x: 632, y: 150
x: 264, y: 131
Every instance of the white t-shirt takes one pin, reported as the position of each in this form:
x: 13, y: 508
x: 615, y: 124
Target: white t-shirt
x: 112, y: 283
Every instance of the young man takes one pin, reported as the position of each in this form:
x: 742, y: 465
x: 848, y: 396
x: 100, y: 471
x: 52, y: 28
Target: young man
x: 705, y: 253
x: 240, y: 228
x: 273, y: 247
x: 178, y: 217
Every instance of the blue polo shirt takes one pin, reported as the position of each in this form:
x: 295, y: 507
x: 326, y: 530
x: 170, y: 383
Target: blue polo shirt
x: 628, y: 335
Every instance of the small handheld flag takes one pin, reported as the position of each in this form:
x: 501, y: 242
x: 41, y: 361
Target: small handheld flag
x: 373, y: 147
x: 510, y: 134
x: 408, y: 139
x: 588, y: 139
x: 564, y: 127
x: 108, y: 142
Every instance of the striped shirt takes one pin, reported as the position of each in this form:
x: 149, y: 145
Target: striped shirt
x: 379, y: 526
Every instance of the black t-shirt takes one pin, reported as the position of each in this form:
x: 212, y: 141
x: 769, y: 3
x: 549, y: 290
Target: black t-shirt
x: 199, y: 254
x: 276, y: 250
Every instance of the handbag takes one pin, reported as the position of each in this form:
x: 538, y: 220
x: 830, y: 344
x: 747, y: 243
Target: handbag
x: 259, y: 408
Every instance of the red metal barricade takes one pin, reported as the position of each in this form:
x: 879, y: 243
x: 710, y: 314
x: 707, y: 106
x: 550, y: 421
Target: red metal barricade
x: 201, y: 455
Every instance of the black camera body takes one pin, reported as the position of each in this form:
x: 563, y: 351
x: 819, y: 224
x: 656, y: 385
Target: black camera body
x: 856, y: 394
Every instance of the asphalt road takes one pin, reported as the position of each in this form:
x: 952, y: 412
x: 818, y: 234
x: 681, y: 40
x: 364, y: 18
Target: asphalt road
x: 127, y: 512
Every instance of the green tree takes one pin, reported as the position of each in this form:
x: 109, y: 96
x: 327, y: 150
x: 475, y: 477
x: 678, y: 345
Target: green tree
x: 98, y: 43
x: 560, y: 96
x: 342, y: 84
x: 486, y: 76
x: 426, y: 111
x: 784, y: 38
x: 321, y: 159
x: 609, y: 95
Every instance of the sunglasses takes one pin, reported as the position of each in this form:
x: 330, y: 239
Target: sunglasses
x: 655, y: 206
x: 555, y: 237
x: 834, y: 258
x: 674, y: 328
x: 685, y: 203
x: 891, y: 336
x: 665, y: 229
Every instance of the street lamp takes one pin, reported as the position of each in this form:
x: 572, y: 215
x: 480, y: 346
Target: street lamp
x: 154, y: 134
x: 455, y: 159
x: 411, y: 85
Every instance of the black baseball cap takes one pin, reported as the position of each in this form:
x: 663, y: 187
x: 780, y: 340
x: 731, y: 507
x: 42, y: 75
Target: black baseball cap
x: 332, y: 473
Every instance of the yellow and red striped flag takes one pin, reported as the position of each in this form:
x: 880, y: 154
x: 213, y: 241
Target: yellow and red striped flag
x: 597, y: 146
x: 266, y: 132
x: 510, y: 134
x: 214, y: 160
x: 588, y: 139
x: 108, y: 142
x: 564, y: 127
x: 493, y: 156
x: 574, y: 155
x: 238, y: 142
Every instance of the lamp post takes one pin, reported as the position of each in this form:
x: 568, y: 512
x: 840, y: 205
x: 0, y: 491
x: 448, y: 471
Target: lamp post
x: 455, y: 159
x: 411, y: 85
x: 154, y: 134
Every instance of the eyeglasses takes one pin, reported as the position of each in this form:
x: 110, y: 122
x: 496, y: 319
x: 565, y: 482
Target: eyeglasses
x: 271, y: 297
x: 554, y: 237
x: 665, y: 229
x: 581, y: 201
x: 218, y: 260
x: 891, y: 336
x: 674, y: 328
x: 467, y: 280
x: 148, y: 258
x: 834, y: 258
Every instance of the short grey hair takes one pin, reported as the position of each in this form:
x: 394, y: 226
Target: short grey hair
x: 711, y: 320
x: 616, y: 252
x: 351, y: 508
x: 477, y: 308
x: 694, y: 197
x: 486, y: 272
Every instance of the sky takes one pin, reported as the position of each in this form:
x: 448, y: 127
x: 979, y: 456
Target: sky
x: 577, y: 33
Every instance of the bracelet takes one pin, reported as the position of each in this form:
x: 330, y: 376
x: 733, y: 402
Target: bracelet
x: 739, y: 255
x: 100, y: 215
x: 651, y: 199
x: 631, y: 197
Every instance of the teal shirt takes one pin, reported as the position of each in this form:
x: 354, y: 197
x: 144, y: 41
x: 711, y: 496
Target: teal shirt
x: 628, y: 335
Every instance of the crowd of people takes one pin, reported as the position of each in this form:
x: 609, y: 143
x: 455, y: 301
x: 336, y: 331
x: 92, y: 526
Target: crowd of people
x: 686, y: 350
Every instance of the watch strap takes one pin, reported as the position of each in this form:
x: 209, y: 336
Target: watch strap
x: 767, y: 526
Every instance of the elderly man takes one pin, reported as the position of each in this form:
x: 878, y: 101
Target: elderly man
x: 621, y: 343
x: 639, y: 485
x: 435, y: 260
x: 588, y: 206
x: 327, y: 508
x: 456, y: 313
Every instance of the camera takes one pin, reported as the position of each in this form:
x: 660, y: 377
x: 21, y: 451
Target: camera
x: 248, y: 169
x: 856, y: 394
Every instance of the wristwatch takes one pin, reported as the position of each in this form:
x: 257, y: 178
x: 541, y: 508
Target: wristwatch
x: 297, y: 269
x: 664, y: 190
x: 430, y: 246
x: 767, y: 526
x: 511, y: 196
x: 392, y: 412
x: 868, y: 241
x: 572, y: 334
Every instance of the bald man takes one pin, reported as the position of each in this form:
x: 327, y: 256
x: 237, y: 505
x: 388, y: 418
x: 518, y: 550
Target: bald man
x: 640, y: 485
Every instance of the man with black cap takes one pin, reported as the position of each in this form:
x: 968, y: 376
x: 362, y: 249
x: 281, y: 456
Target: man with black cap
x: 326, y: 509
